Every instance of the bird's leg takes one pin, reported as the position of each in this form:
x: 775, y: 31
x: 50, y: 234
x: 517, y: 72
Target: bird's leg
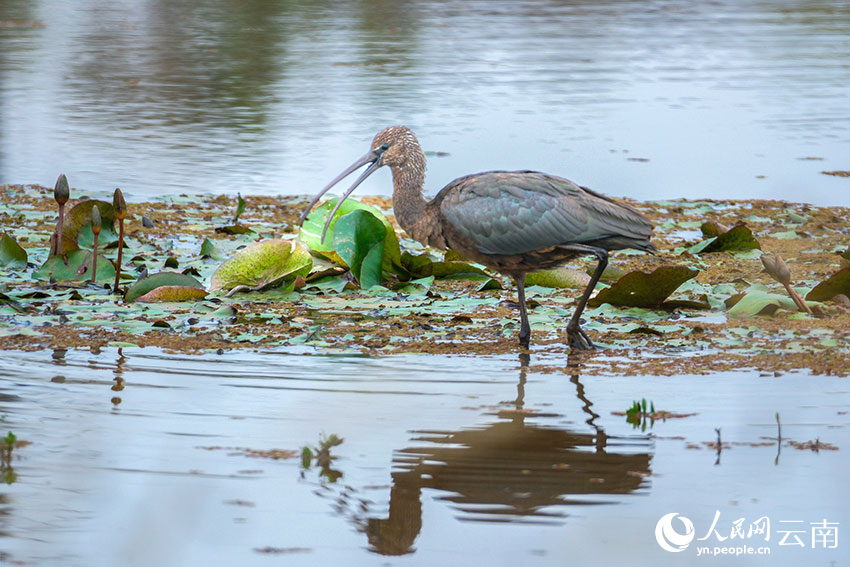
x: 578, y: 339
x: 524, y: 327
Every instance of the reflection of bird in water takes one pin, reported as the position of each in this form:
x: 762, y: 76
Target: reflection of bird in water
x: 508, y: 471
x: 515, y: 222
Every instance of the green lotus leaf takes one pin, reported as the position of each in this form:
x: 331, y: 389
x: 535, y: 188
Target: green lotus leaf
x: 160, y: 279
x: 311, y: 233
x: 11, y: 253
x: 758, y: 302
x: 76, y: 227
x: 173, y: 293
x: 418, y: 266
x: 359, y: 239
x: 559, y: 278
x: 836, y: 284
x: 739, y: 237
x: 263, y: 264
x: 77, y: 267
x: 639, y: 289
x: 455, y: 269
x: 609, y: 274
x: 208, y: 248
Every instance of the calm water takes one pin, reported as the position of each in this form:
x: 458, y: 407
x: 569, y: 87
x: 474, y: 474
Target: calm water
x: 144, y: 458
x: 723, y: 98
x: 445, y: 461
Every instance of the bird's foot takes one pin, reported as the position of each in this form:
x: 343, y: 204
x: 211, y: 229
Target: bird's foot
x: 579, y: 340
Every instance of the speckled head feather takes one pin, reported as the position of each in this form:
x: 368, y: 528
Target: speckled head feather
x: 403, y: 149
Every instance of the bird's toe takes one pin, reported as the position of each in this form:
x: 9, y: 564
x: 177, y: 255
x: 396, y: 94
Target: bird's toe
x: 579, y: 340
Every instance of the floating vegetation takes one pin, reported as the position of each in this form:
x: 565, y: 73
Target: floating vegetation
x: 322, y: 457
x: 367, y: 287
x: 261, y: 265
x: 8, y: 445
x: 12, y: 255
x: 737, y: 238
x: 640, y: 414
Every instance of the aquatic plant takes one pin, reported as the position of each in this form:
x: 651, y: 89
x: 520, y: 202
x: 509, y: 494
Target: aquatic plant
x: 95, y: 228
x: 778, y: 270
x: 120, y: 207
x: 61, y: 193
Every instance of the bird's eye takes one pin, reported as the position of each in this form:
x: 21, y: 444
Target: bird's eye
x: 385, y: 147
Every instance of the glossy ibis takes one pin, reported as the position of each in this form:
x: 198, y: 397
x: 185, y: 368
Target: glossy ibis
x: 514, y: 222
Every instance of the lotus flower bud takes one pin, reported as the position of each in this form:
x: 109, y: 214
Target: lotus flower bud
x: 119, y: 205
x: 61, y: 192
x: 775, y: 266
x: 95, y: 220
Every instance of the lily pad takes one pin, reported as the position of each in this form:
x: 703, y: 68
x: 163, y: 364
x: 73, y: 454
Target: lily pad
x: 311, y: 232
x: 154, y: 281
x: 786, y: 235
x: 836, y: 284
x: 456, y: 269
x: 263, y: 264
x: 739, y: 237
x: 210, y: 250
x: 173, y: 293
x: 559, y: 278
x: 418, y: 266
x: 234, y: 229
x: 76, y: 227
x: 758, y: 302
x: 639, y: 289
x: 359, y: 240
x: 77, y: 267
x: 11, y: 253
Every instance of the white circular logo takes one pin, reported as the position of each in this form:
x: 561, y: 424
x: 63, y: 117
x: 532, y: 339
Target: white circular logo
x: 668, y: 538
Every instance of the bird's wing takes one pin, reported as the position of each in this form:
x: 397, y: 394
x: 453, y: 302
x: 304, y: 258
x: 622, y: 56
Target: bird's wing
x: 512, y: 212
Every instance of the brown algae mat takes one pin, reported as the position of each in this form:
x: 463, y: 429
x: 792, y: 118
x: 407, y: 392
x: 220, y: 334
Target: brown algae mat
x: 700, y: 331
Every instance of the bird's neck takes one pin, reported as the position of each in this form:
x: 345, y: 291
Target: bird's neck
x: 409, y: 205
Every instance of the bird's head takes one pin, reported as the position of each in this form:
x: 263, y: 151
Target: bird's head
x: 398, y: 145
x: 393, y: 146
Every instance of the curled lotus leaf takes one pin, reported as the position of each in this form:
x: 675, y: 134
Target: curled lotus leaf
x: 359, y: 239
x: 173, y: 293
x: 836, y: 284
x: 76, y: 227
x: 11, y: 253
x: 417, y: 265
x: 263, y: 264
x: 737, y: 238
x: 145, y: 285
x: 455, y: 269
x: 558, y: 278
x: 759, y: 302
x: 311, y: 232
x: 641, y: 289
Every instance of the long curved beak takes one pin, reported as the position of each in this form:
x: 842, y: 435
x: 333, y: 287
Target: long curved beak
x: 373, y: 158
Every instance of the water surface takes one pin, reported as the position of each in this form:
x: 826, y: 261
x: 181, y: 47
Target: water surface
x: 140, y: 459
x: 652, y: 100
